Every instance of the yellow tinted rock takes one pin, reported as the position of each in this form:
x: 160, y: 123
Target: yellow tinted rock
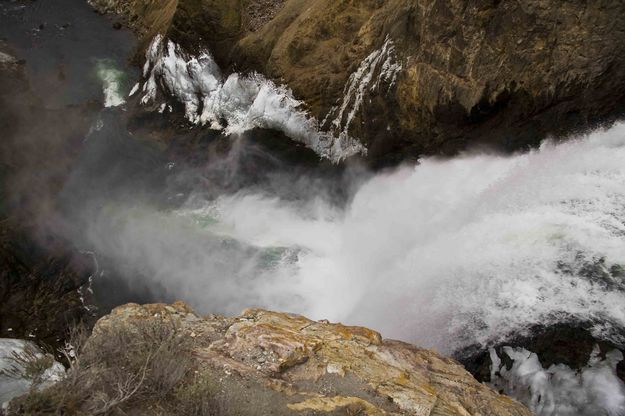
x: 325, y: 367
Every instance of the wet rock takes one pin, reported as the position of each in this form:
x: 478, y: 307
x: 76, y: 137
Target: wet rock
x: 308, y: 366
x: 144, y: 16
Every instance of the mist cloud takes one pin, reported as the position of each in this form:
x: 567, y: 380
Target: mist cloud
x: 442, y: 254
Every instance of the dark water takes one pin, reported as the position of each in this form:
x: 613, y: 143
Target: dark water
x: 61, y: 41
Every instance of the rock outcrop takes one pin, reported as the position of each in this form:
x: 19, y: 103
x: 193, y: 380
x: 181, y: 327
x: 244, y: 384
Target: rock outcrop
x: 278, y: 363
x: 410, y: 78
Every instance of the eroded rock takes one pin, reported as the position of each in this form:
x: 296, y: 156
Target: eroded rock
x: 308, y: 366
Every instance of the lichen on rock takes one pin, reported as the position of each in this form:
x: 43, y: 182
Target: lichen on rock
x: 308, y: 366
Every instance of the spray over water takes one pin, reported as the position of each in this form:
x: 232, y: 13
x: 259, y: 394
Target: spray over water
x: 445, y: 254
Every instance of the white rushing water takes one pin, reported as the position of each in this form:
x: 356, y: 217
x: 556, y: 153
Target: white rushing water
x: 237, y: 102
x: 444, y: 254
x: 112, y: 82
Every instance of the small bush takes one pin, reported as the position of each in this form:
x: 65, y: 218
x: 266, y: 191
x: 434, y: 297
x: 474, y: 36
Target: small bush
x: 198, y: 397
x: 29, y: 364
x: 119, y: 368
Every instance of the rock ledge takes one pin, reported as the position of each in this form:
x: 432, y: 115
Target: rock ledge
x: 304, y: 367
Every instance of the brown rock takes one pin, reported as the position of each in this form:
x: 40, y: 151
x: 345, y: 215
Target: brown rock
x: 316, y: 366
x: 502, y: 72
x: 505, y: 72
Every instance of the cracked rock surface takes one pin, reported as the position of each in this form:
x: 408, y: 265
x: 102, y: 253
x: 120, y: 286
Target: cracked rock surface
x: 278, y: 363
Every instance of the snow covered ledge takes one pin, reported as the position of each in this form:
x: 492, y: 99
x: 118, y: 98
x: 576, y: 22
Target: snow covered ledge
x: 15, y: 378
x: 235, y: 103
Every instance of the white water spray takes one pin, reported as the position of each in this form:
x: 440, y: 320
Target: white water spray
x: 445, y: 254
x: 112, y: 82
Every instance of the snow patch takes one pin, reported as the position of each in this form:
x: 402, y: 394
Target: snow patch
x: 11, y: 383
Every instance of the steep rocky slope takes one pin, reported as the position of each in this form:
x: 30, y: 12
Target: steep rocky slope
x: 41, y: 274
x: 411, y: 77
x: 275, y: 363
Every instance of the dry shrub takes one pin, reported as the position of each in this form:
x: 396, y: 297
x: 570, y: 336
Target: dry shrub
x: 199, y: 397
x: 30, y: 364
x: 119, y: 368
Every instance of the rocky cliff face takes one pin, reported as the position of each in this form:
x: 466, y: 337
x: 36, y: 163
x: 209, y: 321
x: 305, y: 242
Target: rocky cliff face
x: 277, y: 363
x: 409, y: 77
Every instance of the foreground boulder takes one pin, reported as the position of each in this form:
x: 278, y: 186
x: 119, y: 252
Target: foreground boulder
x: 410, y: 78
x: 276, y: 363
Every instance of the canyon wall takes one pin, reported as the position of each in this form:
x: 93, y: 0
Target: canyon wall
x: 409, y: 77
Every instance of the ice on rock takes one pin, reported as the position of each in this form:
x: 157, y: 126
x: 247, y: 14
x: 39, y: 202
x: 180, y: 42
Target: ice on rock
x: 380, y: 67
x: 236, y: 103
x: 134, y: 89
x: 594, y: 390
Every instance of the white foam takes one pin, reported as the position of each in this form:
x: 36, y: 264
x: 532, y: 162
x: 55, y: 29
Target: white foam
x: 558, y: 390
x: 112, y: 83
x: 238, y: 102
x: 444, y: 254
